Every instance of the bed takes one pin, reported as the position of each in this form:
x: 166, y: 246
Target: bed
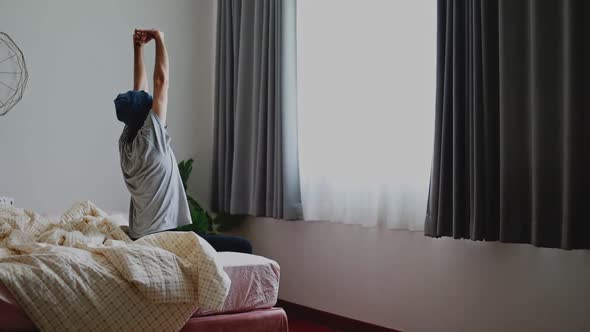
x: 248, y: 306
x: 252, y: 288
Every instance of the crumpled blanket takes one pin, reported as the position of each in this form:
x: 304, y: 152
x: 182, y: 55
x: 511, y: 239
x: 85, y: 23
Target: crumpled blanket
x: 83, y: 273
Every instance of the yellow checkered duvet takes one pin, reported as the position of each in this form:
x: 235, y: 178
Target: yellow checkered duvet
x: 84, y: 273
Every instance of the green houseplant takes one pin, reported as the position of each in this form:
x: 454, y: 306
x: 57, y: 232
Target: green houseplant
x: 202, y: 222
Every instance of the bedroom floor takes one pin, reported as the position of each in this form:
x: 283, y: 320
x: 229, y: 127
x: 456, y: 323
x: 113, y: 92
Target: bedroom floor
x: 299, y: 325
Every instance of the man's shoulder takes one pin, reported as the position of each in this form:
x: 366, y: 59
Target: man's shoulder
x: 153, y: 133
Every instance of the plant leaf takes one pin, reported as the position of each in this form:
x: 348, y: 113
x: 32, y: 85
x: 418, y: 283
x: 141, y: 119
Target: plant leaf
x: 185, y: 168
x: 200, y: 217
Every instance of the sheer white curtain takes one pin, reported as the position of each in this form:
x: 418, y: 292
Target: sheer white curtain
x: 366, y: 75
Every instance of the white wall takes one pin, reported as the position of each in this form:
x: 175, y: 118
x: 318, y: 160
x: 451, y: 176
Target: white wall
x: 59, y: 144
x: 412, y: 283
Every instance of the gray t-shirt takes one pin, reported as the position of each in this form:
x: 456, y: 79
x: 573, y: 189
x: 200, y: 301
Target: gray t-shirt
x: 158, y: 199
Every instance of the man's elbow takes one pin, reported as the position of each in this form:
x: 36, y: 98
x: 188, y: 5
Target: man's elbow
x: 161, y: 81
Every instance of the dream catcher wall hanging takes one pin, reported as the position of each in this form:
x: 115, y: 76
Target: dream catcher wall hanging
x: 13, y: 74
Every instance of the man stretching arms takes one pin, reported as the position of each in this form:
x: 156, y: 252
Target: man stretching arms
x: 158, y: 200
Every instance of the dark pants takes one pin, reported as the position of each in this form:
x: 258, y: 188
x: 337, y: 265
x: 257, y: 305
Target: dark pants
x: 228, y: 243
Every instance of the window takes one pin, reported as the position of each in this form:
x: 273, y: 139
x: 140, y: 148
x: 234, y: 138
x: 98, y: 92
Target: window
x: 366, y: 75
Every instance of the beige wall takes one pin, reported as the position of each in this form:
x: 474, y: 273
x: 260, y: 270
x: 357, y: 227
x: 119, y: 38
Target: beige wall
x: 406, y: 281
x: 59, y: 144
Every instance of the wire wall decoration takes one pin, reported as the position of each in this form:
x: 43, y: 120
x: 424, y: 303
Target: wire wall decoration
x: 13, y: 74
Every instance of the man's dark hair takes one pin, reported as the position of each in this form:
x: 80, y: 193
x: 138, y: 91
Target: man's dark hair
x: 132, y: 109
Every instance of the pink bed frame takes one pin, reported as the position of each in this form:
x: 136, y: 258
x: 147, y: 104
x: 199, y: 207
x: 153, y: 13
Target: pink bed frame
x: 262, y: 320
x: 13, y: 318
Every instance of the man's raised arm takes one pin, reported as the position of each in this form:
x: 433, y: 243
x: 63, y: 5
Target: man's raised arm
x: 161, y: 75
x: 139, y: 75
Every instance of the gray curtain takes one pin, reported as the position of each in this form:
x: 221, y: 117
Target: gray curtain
x: 512, y: 135
x: 255, y: 160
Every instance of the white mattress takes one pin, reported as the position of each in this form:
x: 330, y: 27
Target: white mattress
x: 254, y: 283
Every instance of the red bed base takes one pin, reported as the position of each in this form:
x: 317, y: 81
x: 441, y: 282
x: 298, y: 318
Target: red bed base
x: 13, y: 318
x: 262, y: 320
